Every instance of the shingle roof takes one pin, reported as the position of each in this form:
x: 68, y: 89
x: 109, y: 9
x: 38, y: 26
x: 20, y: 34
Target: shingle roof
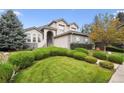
x: 31, y: 28
x: 40, y: 28
x: 74, y: 24
x: 57, y: 20
x: 62, y: 19
x: 71, y: 32
x: 48, y: 25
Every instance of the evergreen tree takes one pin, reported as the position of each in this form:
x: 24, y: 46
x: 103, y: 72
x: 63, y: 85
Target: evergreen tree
x: 86, y: 29
x: 11, y: 32
x: 120, y: 15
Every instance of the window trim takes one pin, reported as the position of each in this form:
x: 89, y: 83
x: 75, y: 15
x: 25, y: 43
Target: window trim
x: 61, y: 26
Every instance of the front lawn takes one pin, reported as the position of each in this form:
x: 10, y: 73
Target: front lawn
x: 62, y: 69
x: 54, y: 64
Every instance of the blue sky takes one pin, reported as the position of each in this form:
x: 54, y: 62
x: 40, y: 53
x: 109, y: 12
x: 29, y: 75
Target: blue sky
x: 38, y: 17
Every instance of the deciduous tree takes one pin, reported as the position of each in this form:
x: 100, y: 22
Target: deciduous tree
x: 105, y: 30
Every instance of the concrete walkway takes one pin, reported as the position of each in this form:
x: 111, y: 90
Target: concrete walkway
x: 118, y: 76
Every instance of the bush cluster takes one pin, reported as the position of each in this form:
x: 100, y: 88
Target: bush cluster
x: 82, y: 50
x: 106, y: 64
x: 99, y: 54
x: 6, y: 71
x: 41, y: 53
x: 115, y: 58
x: 90, y: 59
x: 78, y: 55
x: 21, y: 59
x: 24, y: 59
x: 114, y: 49
x: 81, y: 45
x: 55, y: 51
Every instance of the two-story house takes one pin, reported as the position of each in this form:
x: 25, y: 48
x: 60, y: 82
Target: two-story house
x: 57, y: 33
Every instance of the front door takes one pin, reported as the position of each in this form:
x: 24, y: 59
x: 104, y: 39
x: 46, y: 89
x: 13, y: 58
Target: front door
x: 49, y: 38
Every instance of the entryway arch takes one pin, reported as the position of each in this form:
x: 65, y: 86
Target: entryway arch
x: 49, y: 38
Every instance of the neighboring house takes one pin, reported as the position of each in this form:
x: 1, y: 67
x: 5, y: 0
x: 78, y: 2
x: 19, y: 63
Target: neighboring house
x: 58, y: 33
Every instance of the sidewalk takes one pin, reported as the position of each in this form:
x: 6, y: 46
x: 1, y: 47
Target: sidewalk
x: 118, y: 76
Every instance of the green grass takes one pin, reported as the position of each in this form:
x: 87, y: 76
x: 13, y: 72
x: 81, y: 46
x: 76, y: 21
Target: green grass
x: 61, y: 69
x: 120, y: 54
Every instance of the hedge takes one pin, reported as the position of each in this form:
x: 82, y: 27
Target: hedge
x: 56, y: 51
x: 6, y: 71
x: 115, y: 58
x: 90, y: 59
x: 99, y: 54
x: 82, y: 50
x: 114, y: 49
x: 79, y: 55
x: 81, y: 45
x: 24, y: 59
x: 41, y: 53
x: 106, y: 64
x: 21, y: 59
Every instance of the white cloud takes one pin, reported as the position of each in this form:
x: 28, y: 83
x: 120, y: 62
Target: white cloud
x: 15, y: 12
x: 18, y: 13
x: 120, y: 11
x: 1, y: 11
x: 115, y: 14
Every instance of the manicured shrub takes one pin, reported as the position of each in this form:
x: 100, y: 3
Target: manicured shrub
x: 56, y: 51
x: 115, y: 58
x: 21, y: 59
x: 81, y: 45
x: 50, y: 51
x: 41, y: 53
x: 114, y: 49
x: 70, y: 53
x: 6, y: 71
x: 82, y: 50
x: 106, y: 64
x: 79, y: 55
x: 100, y: 55
x: 90, y: 59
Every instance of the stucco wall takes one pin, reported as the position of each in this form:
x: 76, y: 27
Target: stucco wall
x: 62, y: 42
x: 67, y: 27
x: 79, y: 39
x: 53, y: 25
x: 73, y: 26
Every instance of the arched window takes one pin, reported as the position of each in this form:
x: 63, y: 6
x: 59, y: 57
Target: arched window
x: 34, y: 37
x: 28, y: 38
x: 39, y: 38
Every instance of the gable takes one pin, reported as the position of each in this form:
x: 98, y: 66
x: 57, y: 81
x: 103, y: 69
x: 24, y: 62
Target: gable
x: 33, y: 31
x: 61, y: 23
x: 73, y: 25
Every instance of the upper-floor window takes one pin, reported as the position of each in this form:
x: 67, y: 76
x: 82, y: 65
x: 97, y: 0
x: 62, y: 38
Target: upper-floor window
x: 34, y: 37
x: 86, y: 39
x: 61, y: 27
x: 72, y: 28
x: 28, y: 38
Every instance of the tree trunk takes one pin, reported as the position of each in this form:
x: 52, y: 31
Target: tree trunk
x: 105, y: 48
